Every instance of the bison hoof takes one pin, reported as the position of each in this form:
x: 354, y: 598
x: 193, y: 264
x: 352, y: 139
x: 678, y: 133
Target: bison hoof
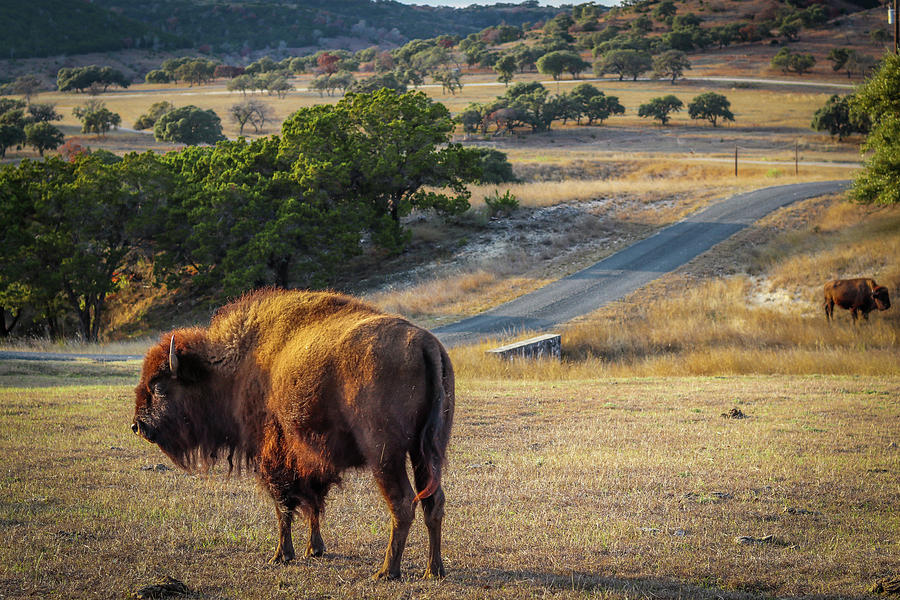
x: 315, y: 551
x: 434, y: 572
x: 281, y: 558
x: 384, y: 575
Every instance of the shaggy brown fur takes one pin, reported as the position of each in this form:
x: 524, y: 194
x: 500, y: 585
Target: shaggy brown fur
x: 300, y: 386
x: 860, y: 295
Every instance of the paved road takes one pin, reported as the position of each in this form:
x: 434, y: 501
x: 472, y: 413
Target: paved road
x: 624, y: 272
x: 606, y: 281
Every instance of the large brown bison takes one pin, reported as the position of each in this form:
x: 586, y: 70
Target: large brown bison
x: 300, y: 386
x: 860, y: 295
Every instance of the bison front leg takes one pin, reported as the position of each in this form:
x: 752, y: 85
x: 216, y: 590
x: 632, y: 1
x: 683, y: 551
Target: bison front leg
x: 398, y: 494
x: 315, y: 546
x: 284, y: 552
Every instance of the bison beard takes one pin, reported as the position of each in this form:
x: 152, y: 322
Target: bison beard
x: 298, y: 387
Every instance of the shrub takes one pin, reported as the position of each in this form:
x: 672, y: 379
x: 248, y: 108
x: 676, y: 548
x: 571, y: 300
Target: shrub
x: 503, y: 205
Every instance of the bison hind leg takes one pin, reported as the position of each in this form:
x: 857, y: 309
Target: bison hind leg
x: 433, y: 509
x: 391, y: 478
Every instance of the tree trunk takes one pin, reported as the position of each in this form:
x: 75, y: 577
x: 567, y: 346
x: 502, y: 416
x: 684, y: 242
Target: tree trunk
x: 4, y: 329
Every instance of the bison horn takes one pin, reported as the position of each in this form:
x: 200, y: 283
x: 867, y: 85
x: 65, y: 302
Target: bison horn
x: 173, y: 359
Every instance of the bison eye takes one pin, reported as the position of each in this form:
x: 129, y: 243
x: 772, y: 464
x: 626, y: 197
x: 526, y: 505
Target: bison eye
x: 158, y: 389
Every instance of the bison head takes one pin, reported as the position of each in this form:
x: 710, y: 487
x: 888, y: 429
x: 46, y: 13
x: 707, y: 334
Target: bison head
x: 172, y: 399
x: 881, y: 297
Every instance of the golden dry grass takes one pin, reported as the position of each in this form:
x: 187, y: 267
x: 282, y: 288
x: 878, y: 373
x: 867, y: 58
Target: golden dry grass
x: 595, y: 488
x: 774, y: 110
x: 751, y: 305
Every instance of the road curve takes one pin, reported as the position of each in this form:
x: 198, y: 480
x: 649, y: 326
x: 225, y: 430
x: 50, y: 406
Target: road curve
x: 618, y: 275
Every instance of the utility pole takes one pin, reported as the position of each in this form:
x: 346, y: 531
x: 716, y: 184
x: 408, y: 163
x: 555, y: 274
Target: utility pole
x: 735, y: 161
x: 892, y: 20
x: 796, y: 158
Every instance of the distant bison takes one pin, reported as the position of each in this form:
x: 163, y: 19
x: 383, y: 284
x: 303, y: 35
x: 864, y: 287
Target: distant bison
x: 299, y: 386
x: 860, y: 295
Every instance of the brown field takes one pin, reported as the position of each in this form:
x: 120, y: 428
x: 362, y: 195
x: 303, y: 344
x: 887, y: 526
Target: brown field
x: 593, y: 488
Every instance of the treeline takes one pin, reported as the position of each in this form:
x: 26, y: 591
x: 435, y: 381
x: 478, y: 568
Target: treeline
x: 54, y: 27
x: 286, y: 210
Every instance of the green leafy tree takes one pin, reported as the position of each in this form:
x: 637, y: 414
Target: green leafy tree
x: 837, y: 118
x: 156, y: 110
x: 642, y: 25
x: 624, y: 63
x: 788, y: 61
x: 533, y: 105
x: 96, y: 118
x: 495, y: 167
x: 561, y: 61
x: 41, y: 112
x: 10, y: 135
x: 240, y: 221
x: 372, y: 84
x: 75, y: 224
x: 879, y: 98
x: 449, y: 80
x: 242, y: 83
x: 711, y: 107
x: 90, y: 77
x: 506, y: 68
x: 671, y: 63
x: 26, y: 85
x: 790, y: 29
x: 195, y: 71
x: 381, y: 149
x: 157, y: 76
x: 599, y: 108
x: 43, y: 136
x: 189, y: 125
x: 664, y: 11
x: 661, y: 108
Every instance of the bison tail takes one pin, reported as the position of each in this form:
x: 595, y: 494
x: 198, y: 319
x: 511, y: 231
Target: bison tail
x: 435, y: 433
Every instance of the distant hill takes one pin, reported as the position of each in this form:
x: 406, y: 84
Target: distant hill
x: 48, y: 27
x: 34, y: 28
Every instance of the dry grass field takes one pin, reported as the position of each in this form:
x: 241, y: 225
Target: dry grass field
x: 751, y: 305
x: 592, y: 488
x: 769, y: 120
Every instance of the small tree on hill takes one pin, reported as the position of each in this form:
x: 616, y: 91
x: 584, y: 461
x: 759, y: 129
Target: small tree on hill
x: 27, y: 86
x: 671, y: 63
x: 660, y: 108
x: 10, y: 135
x: 96, y: 118
x: 251, y: 112
x: 787, y: 61
x: 506, y: 68
x: 41, y: 112
x: 712, y: 107
x: 156, y: 110
x: 43, y: 136
x: 627, y: 62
